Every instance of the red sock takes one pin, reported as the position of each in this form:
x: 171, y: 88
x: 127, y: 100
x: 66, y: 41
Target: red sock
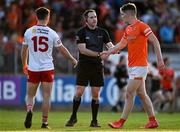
x: 122, y: 120
x: 29, y: 107
x: 152, y: 118
x: 44, y: 119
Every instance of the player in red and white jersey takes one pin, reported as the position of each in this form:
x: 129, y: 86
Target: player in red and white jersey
x: 37, y: 61
x: 41, y: 39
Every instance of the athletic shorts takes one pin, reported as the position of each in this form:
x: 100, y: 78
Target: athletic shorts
x: 138, y: 72
x: 41, y: 76
x: 90, y: 73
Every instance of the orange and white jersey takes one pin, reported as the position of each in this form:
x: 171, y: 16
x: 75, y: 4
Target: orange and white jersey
x: 136, y: 35
x: 41, y: 40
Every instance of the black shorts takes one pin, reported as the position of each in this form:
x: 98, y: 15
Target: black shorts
x: 90, y: 73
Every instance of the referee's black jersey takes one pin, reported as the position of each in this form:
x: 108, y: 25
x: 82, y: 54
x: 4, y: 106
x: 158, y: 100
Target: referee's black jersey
x: 94, y: 40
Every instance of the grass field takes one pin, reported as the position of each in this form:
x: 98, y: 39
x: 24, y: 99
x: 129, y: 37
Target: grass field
x: 13, y: 121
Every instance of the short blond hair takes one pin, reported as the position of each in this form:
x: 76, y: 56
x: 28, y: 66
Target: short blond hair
x: 129, y: 7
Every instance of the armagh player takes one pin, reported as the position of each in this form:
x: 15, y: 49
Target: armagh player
x: 135, y: 37
x: 38, y: 44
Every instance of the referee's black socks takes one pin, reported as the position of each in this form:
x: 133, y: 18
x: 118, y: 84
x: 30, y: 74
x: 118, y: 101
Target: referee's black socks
x: 94, y: 107
x: 76, y: 103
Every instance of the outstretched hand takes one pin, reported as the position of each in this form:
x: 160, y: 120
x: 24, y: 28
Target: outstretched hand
x: 75, y: 62
x: 104, y: 55
x: 161, y: 66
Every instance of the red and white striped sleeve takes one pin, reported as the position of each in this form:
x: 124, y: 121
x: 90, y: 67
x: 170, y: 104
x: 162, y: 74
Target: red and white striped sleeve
x: 146, y: 30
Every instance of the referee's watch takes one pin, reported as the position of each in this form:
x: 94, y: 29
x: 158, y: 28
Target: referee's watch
x: 99, y: 54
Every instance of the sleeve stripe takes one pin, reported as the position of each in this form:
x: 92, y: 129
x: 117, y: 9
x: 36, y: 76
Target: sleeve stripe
x: 148, y: 33
x: 147, y: 30
x: 124, y: 36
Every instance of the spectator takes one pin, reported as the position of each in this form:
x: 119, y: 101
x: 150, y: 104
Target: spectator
x: 121, y: 76
x: 167, y: 32
x: 176, y: 93
x: 156, y: 92
x: 177, y: 31
x: 167, y: 84
x: 16, y: 15
x: 107, y: 67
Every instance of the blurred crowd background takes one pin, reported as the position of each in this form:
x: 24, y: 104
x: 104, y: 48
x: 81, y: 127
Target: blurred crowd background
x: 163, y: 16
x: 17, y: 15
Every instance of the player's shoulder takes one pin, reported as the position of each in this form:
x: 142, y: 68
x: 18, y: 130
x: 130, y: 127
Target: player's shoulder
x: 51, y: 30
x: 81, y: 29
x: 141, y: 23
x: 29, y: 29
x: 101, y: 29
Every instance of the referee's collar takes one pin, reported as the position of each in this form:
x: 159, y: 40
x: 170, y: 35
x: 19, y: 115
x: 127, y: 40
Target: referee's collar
x: 91, y: 29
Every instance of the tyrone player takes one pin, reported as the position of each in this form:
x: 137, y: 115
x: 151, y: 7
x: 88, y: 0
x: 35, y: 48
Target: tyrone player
x: 37, y: 61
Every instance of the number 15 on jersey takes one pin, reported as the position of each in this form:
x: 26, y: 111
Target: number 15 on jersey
x: 40, y: 43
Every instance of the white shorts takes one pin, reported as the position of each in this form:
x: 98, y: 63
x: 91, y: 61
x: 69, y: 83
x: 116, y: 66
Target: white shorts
x: 138, y: 72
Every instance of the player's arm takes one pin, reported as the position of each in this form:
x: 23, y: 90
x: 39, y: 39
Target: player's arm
x: 115, y: 49
x: 24, y: 54
x: 152, y: 39
x: 58, y: 44
x: 83, y: 50
x: 67, y: 54
x: 119, y: 46
x: 24, y: 58
x: 111, y: 48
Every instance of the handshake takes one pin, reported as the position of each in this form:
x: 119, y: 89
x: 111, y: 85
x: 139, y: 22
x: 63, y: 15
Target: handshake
x: 105, y: 54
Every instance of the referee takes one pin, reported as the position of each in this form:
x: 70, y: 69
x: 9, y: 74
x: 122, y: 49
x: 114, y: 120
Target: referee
x: 90, y: 41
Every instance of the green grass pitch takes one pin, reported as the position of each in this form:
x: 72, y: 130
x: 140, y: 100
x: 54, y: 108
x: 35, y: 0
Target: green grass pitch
x: 13, y: 121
